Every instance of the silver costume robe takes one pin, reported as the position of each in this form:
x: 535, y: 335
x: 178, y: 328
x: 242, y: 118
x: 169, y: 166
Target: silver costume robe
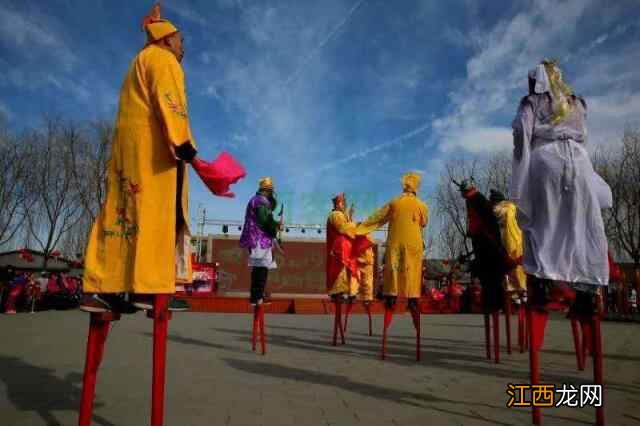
x: 559, y: 195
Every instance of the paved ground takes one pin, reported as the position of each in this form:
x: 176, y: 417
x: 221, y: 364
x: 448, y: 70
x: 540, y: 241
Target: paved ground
x: 215, y: 379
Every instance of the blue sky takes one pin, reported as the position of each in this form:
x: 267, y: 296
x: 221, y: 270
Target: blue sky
x: 332, y: 95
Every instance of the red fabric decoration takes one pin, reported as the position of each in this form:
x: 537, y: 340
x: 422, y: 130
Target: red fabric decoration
x: 55, y: 253
x: 615, y: 274
x: 221, y: 173
x: 26, y: 255
x: 436, y: 294
x: 153, y: 16
x: 343, y: 251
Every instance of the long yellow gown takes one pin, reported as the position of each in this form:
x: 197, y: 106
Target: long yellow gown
x: 139, y: 243
x: 406, y: 215
x: 512, y: 239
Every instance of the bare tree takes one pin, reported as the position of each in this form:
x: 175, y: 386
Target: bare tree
x: 620, y: 168
x: 55, y: 203
x: 13, y: 172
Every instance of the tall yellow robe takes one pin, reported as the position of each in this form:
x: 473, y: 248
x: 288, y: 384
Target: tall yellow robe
x: 139, y: 243
x: 345, y: 282
x: 512, y: 239
x: 406, y: 215
x: 366, y: 263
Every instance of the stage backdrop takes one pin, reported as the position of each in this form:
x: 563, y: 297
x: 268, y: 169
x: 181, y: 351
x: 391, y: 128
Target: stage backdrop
x: 301, y: 270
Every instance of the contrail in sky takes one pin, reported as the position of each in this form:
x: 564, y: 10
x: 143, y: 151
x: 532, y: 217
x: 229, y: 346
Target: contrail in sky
x: 319, y: 47
x: 409, y: 135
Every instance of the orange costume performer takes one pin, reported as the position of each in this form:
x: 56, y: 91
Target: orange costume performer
x: 139, y: 243
x: 407, y: 217
x: 347, y: 254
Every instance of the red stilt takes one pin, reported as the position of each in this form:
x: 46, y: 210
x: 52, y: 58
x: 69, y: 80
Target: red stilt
x: 388, y: 316
x: 346, y: 315
x: 587, y: 338
x: 367, y: 307
x: 521, y: 328
x: 537, y: 321
x: 415, y: 316
x: 487, y: 335
x: 258, y: 329
x: 256, y: 326
x: 507, y: 320
x: 575, y: 329
x: 98, y: 330
x: 263, y: 337
x: 598, y: 372
x: 337, y: 323
x: 161, y: 317
x: 496, y: 335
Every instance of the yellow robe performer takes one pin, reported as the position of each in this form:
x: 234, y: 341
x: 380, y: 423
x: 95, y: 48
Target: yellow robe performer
x: 140, y: 241
x: 512, y: 239
x: 407, y: 216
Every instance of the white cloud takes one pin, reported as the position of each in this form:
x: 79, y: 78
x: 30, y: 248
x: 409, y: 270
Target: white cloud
x: 496, y: 74
x: 184, y: 11
x: 30, y: 33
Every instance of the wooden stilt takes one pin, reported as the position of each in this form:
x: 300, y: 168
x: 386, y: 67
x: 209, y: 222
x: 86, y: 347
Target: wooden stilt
x: 496, y: 335
x: 160, y: 315
x: 577, y: 344
x: 388, y: 317
x: 598, y: 370
x: 487, y: 335
x: 98, y: 331
x: 507, y: 319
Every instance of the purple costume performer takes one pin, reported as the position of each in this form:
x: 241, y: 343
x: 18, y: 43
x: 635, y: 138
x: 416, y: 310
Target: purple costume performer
x: 257, y: 236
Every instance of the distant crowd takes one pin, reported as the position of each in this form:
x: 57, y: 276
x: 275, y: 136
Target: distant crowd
x: 31, y: 291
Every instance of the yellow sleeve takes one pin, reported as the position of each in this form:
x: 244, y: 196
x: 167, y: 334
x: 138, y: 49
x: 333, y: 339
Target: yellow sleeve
x: 342, y: 225
x: 168, y: 98
x: 513, y: 234
x: 375, y: 221
x: 424, y: 215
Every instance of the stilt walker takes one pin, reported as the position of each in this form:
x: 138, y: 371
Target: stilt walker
x: 490, y: 261
x: 342, y: 273
x: 407, y: 217
x: 259, y: 236
x: 515, y: 281
x: 140, y: 242
x: 559, y: 197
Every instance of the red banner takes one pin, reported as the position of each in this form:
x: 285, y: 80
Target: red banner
x: 300, y: 270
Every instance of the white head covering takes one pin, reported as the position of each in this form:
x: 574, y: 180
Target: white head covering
x: 539, y: 74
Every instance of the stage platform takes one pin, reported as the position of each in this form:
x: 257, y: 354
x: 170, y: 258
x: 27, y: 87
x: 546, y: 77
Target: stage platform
x: 297, y: 304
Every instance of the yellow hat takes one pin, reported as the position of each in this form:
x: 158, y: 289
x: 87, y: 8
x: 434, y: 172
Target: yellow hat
x: 156, y: 27
x: 265, y: 183
x: 411, y: 181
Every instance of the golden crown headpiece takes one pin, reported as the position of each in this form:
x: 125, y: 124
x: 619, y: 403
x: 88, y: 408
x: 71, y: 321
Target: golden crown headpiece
x: 265, y: 183
x: 411, y: 181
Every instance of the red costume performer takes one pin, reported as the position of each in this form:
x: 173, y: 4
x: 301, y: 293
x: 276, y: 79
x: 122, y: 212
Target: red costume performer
x: 344, y: 250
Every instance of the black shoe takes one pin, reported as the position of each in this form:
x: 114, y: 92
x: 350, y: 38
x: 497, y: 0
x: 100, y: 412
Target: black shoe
x: 94, y: 304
